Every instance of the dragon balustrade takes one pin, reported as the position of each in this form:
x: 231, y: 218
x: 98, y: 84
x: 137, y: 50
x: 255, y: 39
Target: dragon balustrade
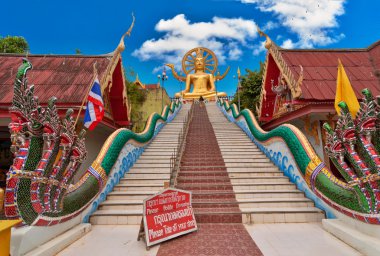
x: 353, y: 147
x: 48, y: 153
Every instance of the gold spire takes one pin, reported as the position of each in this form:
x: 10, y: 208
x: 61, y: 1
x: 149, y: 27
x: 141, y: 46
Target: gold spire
x: 120, y: 48
x: 238, y: 72
x: 199, y: 53
x: 137, y: 78
x: 268, y: 42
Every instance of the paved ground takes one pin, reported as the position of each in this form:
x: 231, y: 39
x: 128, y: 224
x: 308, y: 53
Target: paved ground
x: 110, y: 240
x: 273, y: 240
x: 298, y: 239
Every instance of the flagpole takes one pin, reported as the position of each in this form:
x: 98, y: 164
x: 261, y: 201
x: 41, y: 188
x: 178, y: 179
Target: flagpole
x: 87, y: 93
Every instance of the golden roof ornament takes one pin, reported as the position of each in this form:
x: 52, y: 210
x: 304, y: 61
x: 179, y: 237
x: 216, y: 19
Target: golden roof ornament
x: 120, y: 48
x: 268, y: 42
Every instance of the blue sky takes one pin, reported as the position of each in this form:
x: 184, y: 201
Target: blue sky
x: 165, y: 29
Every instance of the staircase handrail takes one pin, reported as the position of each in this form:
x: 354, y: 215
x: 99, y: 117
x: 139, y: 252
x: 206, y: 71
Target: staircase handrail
x: 175, y: 160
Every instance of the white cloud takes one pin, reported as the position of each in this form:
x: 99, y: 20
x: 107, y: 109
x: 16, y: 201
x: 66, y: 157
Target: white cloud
x: 259, y: 48
x: 270, y: 25
x: 225, y: 37
x: 234, y: 52
x: 157, y: 70
x: 312, y: 21
x: 288, y: 44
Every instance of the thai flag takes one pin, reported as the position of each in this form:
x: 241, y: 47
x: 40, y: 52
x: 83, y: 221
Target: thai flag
x: 95, y: 107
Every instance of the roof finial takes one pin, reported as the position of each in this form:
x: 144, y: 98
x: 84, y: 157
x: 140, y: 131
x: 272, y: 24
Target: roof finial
x: 268, y: 42
x: 120, y: 48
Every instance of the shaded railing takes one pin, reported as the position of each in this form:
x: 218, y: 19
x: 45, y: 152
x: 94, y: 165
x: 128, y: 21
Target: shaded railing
x: 175, y: 159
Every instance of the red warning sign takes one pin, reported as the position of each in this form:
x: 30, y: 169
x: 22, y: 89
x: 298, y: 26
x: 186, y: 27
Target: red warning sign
x: 168, y: 214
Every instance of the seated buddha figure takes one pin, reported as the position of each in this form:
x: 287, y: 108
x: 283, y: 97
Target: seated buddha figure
x: 203, y: 83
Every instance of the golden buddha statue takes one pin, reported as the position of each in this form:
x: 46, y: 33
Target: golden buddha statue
x: 200, y: 60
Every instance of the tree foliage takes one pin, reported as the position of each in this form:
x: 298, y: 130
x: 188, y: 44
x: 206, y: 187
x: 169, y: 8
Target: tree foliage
x: 13, y: 44
x: 250, y: 89
x: 136, y: 98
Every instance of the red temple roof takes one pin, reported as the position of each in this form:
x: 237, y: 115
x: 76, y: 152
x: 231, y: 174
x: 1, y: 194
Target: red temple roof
x: 320, y: 70
x: 69, y: 77
x: 65, y: 76
x: 319, y: 66
x: 152, y: 86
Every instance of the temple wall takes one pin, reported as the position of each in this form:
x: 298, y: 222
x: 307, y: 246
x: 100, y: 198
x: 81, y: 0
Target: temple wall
x: 153, y: 103
x: 312, y: 132
x: 6, y: 157
x: 94, y: 142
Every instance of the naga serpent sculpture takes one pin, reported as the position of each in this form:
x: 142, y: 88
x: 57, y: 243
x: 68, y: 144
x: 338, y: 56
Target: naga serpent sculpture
x: 48, y: 153
x: 353, y: 147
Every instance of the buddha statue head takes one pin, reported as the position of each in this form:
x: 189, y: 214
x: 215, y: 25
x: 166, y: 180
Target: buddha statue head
x: 199, y: 61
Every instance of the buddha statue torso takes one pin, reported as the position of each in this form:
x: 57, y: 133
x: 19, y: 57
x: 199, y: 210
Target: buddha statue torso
x: 201, y: 82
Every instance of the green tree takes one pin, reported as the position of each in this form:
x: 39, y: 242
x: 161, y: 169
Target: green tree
x: 136, y: 98
x: 13, y: 44
x: 250, y: 89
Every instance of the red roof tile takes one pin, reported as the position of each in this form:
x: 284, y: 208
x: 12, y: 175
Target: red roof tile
x: 151, y: 86
x: 320, y: 70
x: 65, y: 76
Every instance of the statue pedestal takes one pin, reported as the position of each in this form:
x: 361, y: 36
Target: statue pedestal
x: 5, y: 235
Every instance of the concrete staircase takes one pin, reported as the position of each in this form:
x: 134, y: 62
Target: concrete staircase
x: 263, y: 193
x: 146, y: 177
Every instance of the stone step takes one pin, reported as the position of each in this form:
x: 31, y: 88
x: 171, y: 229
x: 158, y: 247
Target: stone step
x: 249, y: 165
x: 128, y: 195
x: 255, y: 174
x: 205, y: 186
x: 165, y: 137
x: 139, y: 187
x: 275, y: 202
x: 223, y: 144
x: 220, y: 132
x: 264, y: 186
x: 231, y: 136
x: 259, y: 194
x: 282, y: 215
x: 157, y: 150
x: 166, y: 144
x: 145, y: 180
x: 154, y: 165
x: 262, y: 159
x: 249, y: 216
x: 228, y: 141
x: 260, y: 179
x: 158, y: 153
x: 218, y: 215
x: 116, y: 217
x: 149, y: 160
x: 148, y: 171
x: 241, y: 153
x: 202, y: 174
x: 142, y: 169
x: 122, y: 206
x: 247, y: 157
x: 239, y: 149
x: 168, y: 132
x: 252, y: 169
